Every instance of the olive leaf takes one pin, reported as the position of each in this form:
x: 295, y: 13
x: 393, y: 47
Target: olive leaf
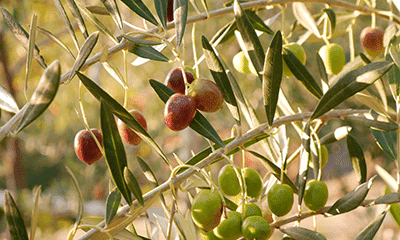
x: 140, y: 9
x: 357, y: 159
x: 114, y: 150
x: 112, y: 8
x: 84, y: 52
x: 351, y: 83
x: 302, y: 233
x: 180, y: 17
x: 15, y: 221
x: 133, y: 185
x: 78, y: 17
x: 147, y: 52
x: 64, y: 17
x: 22, y: 36
x: 43, y: 95
x: 368, y: 233
x: 252, y: 42
x: 7, y: 101
x: 218, y: 72
x: 352, y: 199
x: 305, y: 18
x: 385, y: 141
x: 336, y: 135
x: 161, y: 8
x: 272, y: 76
x: 112, y: 204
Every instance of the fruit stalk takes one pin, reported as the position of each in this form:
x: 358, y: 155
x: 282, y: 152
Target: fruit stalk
x: 239, y: 141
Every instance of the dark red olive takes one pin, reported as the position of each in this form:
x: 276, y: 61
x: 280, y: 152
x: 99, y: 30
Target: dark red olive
x: 179, y: 111
x: 127, y: 134
x: 175, y: 81
x: 170, y: 10
x: 85, y: 146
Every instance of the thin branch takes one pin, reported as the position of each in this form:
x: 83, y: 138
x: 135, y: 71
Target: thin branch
x: 239, y: 141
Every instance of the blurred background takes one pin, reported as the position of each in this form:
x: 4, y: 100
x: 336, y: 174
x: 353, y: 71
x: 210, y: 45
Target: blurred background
x: 39, y: 154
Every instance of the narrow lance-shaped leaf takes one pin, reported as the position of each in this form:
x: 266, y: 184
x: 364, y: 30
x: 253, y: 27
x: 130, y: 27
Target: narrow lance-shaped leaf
x: 385, y: 141
x: 373, y: 120
x: 42, y: 96
x: 133, y: 185
x: 199, y: 124
x: 272, y: 76
x: 140, y: 9
x: 305, y: 18
x: 302, y: 74
x: 388, y: 198
x: 7, y: 101
x: 218, y: 72
x: 302, y: 233
x: 67, y: 23
x: 394, y: 209
x: 351, y: 83
x: 352, y: 199
x: 84, y: 53
x: 368, y: 233
x: 121, y: 113
x: 31, y: 48
x: 114, y: 150
x: 78, y: 17
x: 276, y: 171
x: 21, y: 35
x: 394, y: 72
x: 161, y: 8
x: 147, y: 52
x: 304, y: 158
x: 35, y: 213
x: 258, y: 23
x: 56, y: 40
x: 149, y: 174
x: 322, y: 70
x: 180, y: 17
x: 112, y: 8
x: 332, y: 18
x: 357, y: 159
x: 112, y: 204
x: 100, y: 26
x: 250, y: 38
x: 15, y: 221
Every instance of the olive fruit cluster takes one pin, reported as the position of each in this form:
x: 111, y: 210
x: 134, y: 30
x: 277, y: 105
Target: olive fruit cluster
x: 202, y: 94
x: 229, y: 182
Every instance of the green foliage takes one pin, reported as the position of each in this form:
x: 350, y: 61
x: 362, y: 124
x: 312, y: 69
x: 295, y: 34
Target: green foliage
x: 264, y: 128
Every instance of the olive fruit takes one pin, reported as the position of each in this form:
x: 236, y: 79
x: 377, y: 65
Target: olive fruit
x: 334, y: 57
x: 179, y: 111
x: 372, y: 41
x: 315, y: 195
x: 206, y: 209
x: 170, y: 10
x: 280, y: 199
x: 175, y: 81
x: 207, y: 95
x: 242, y: 64
x: 228, y: 181
x: 256, y: 228
x: 127, y: 134
x: 229, y: 228
x: 253, y: 182
x: 250, y: 209
x: 324, y: 157
x: 299, y: 52
x: 85, y: 146
x: 208, y: 235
